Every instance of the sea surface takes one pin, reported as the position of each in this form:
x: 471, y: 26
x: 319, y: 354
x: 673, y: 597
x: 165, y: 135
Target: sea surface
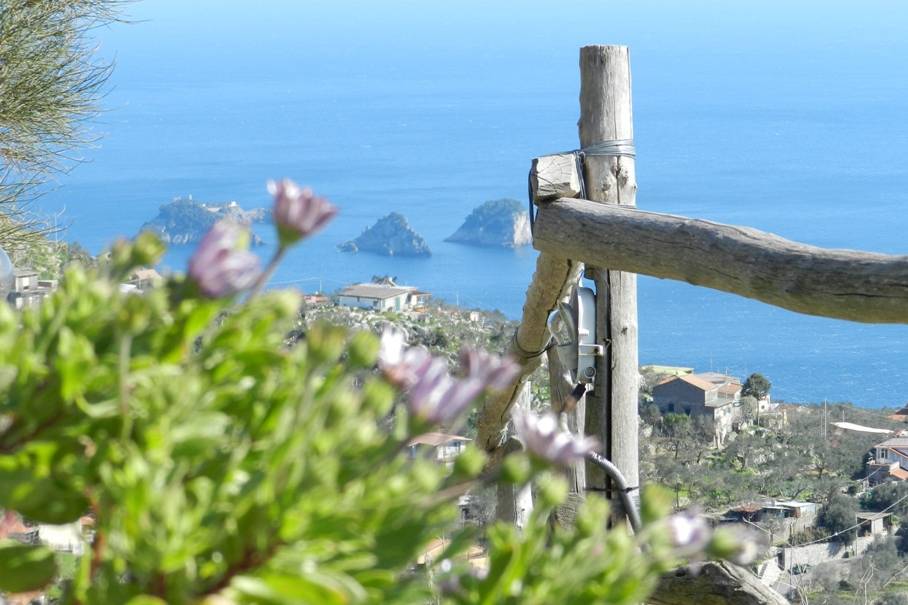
x: 790, y: 119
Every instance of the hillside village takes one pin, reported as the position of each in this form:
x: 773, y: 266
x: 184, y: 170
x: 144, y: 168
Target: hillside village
x: 721, y: 442
x: 716, y: 440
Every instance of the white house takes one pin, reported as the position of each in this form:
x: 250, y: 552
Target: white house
x: 890, y: 461
x: 382, y: 297
x: 29, y: 290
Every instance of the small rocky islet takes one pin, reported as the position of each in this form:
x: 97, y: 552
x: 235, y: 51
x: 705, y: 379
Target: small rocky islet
x: 391, y: 235
x: 186, y: 221
x: 502, y: 223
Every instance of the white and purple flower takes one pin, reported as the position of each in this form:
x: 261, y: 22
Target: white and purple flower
x: 433, y: 394
x: 543, y: 439
x: 298, y: 212
x: 222, y: 265
x: 688, y: 532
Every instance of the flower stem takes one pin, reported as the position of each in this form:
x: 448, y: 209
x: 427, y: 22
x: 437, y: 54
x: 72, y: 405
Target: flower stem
x: 267, y: 273
x: 123, y: 386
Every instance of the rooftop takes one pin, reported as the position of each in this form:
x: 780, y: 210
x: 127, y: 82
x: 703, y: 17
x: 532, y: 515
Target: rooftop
x: 659, y: 369
x: 695, y: 380
x: 376, y: 291
x: 436, y: 439
x: 151, y: 274
x: 895, y: 442
x: 717, y: 378
x: 730, y: 388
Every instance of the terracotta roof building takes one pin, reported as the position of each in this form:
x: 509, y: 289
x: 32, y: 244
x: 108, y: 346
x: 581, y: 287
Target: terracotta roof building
x: 710, y: 394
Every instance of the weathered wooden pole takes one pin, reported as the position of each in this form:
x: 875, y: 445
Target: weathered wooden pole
x: 845, y: 284
x: 571, y: 414
x: 606, y: 116
x: 514, y: 504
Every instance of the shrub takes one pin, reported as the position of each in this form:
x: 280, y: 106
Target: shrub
x: 222, y: 466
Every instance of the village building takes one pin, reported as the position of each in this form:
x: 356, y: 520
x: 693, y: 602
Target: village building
x: 145, y: 278
x: 873, y: 523
x: 781, y: 520
x: 901, y: 415
x: 29, y: 290
x: 318, y: 299
x: 882, y: 471
x: 890, y: 461
x: 382, y: 297
x: 709, y: 394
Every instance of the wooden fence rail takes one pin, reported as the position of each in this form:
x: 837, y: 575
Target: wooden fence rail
x: 844, y: 284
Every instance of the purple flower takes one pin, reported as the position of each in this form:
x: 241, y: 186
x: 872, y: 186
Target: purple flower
x: 541, y: 437
x: 298, y: 213
x: 688, y: 533
x: 495, y: 372
x: 221, y: 266
x: 433, y: 394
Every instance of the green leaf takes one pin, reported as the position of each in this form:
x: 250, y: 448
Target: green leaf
x: 24, y: 568
x: 146, y: 600
x: 40, y: 498
x: 655, y: 504
x: 75, y: 358
x: 313, y: 588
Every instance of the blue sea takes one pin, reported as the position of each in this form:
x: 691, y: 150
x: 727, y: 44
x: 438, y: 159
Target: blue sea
x: 787, y: 117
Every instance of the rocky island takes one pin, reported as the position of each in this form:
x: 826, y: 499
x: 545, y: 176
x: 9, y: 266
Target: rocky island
x: 186, y: 221
x: 390, y: 236
x: 502, y: 223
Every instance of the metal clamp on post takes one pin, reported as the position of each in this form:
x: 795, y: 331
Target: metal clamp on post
x: 573, y: 328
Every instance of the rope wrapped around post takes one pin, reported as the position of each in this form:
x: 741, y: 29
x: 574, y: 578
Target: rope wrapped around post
x: 554, y: 179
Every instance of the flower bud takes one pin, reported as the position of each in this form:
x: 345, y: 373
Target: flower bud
x: 298, y: 213
x: 221, y: 265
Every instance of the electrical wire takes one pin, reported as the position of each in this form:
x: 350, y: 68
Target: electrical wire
x: 848, y: 529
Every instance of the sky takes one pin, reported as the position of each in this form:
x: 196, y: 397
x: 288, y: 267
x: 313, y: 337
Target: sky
x: 397, y: 36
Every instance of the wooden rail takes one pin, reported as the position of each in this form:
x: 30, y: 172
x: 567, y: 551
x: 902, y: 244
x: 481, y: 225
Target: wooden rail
x: 844, y: 284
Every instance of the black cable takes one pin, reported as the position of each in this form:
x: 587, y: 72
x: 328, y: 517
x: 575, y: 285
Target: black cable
x: 624, y: 492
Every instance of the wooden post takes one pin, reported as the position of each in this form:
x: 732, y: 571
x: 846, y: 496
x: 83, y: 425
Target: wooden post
x: 571, y: 414
x: 514, y: 504
x: 611, y: 411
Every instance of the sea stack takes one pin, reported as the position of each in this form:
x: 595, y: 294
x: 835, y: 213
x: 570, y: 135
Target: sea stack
x: 502, y: 223
x: 186, y: 221
x: 390, y: 236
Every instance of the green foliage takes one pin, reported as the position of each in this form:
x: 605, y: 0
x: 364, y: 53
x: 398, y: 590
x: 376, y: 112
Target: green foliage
x: 838, y: 515
x: 216, y: 460
x: 751, y: 407
x: 888, y: 496
x: 532, y: 568
x: 49, y: 258
x: 757, y: 386
x: 50, y: 82
x: 783, y: 461
x: 25, y: 567
x: 893, y: 598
